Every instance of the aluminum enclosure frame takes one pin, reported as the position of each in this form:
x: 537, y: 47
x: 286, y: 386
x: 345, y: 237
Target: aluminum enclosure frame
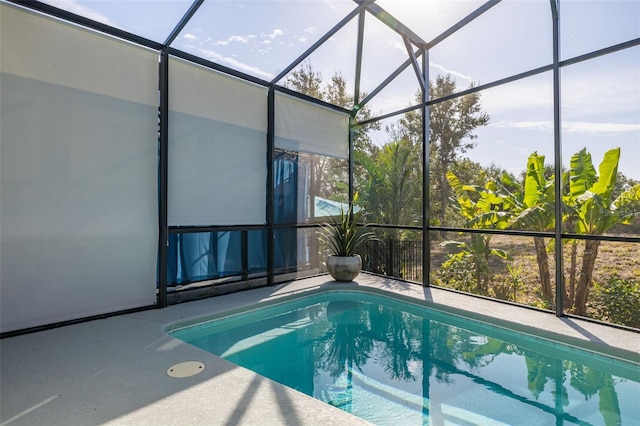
x: 418, y: 58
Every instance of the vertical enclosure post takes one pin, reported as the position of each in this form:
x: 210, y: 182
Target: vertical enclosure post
x: 356, y: 90
x: 163, y: 227
x: 351, y: 137
x: 163, y: 172
x: 271, y: 137
x: 557, y: 146
x: 426, y: 205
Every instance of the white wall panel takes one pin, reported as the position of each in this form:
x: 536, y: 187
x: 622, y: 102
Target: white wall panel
x: 78, y: 172
x: 217, y: 148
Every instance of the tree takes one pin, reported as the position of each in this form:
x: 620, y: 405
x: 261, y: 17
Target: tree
x: 391, y: 194
x: 328, y: 176
x: 588, y: 208
x: 483, y: 208
x: 306, y: 80
x: 533, y: 208
x: 452, y: 124
x: 393, y: 189
x: 593, y: 211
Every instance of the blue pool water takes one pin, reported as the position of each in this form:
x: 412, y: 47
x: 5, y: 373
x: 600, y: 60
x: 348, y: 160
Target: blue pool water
x: 396, y: 363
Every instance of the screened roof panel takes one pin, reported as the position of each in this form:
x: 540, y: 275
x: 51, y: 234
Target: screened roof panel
x: 383, y: 52
x: 592, y: 25
x: 333, y: 63
x: 263, y: 38
x: 260, y: 38
x: 152, y: 19
x: 398, y: 94
x: 510, y: 38
x: 430, y: 18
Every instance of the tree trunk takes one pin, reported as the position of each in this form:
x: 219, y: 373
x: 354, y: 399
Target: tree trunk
x: 443, y: 196
x: 543, y: 267
x: 487, y: 271
x: 586, y: 275
x: 571, y: 303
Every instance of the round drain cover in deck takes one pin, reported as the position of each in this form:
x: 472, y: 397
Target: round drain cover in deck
x: 186, y: 369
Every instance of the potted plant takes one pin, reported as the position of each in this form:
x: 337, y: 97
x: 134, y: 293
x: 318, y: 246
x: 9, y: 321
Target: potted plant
x: 343, y: 236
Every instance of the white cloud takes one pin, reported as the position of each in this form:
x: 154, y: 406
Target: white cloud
x: 275, y: 33
x: 579, y: 127
x: 302, y: 39
x: 311, y: 30
x: 598, y: 128
x: 234, y: 63
x: 400, y: 46
x: 594, y: 91
x: 454, y: 73
x: 190, y: 37
x: 79, y: 9
x: 528, y: 125
x: 240, y: 39
x: 332, y: 5
x: 235, y: 39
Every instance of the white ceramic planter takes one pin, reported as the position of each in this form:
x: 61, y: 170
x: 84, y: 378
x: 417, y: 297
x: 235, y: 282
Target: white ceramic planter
x: 344, y: 268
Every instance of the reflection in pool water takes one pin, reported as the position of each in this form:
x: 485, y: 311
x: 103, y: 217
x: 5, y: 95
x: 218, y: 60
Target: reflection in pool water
x: 391, y: 362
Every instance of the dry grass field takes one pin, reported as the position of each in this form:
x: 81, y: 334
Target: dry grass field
x: 518, y: 280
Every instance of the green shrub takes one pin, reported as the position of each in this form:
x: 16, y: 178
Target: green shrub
x: 458, y: 273
x: 617, y: 302
x: 508, y: 289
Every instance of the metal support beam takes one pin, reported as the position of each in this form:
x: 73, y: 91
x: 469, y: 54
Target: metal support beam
x: 458, y: 94
x: 319, y: 43
x: 183, y: 22
x: 426, y: 182
x: 414, y: 63
x: 397, y: 26
x: 271, y: 137
x: 557, y: 146
x: 244, y: 253
x: 604, y: 51
x: 86, y: 22
x: 351, y: 143
x: 356, y: 90
x: 388, y: 80
x: 470, y: 17
x: 163, y: 228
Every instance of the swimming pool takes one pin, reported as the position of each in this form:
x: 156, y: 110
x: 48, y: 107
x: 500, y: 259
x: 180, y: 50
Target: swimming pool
x: 393, y: 362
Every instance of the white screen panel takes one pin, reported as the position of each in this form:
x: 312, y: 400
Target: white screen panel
x: 217, y: 148
x: 308, y: 127
x: 78, y: 172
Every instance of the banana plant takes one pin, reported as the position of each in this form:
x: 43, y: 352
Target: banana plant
x: 594, y: 213
x: 532, y: 208
x: 483, y: 207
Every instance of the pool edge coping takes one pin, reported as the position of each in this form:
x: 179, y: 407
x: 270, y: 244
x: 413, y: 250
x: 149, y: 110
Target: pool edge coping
x: 595, y: 347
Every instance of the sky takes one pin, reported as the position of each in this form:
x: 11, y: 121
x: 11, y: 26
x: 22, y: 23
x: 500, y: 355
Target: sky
x: 600, y: 98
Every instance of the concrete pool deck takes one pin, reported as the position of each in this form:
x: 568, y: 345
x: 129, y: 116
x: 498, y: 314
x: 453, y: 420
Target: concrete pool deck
x: 114, y: 371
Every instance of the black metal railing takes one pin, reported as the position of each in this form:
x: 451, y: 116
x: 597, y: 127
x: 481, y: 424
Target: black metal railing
x: 394, y: 258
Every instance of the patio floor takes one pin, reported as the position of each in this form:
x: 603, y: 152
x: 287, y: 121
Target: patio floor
x: 114, y: 371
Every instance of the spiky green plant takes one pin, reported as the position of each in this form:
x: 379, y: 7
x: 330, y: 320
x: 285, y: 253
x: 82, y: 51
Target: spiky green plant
x: 344, y: 234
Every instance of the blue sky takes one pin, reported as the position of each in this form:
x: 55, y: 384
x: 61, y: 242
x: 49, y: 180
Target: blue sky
x: 600, y: 98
